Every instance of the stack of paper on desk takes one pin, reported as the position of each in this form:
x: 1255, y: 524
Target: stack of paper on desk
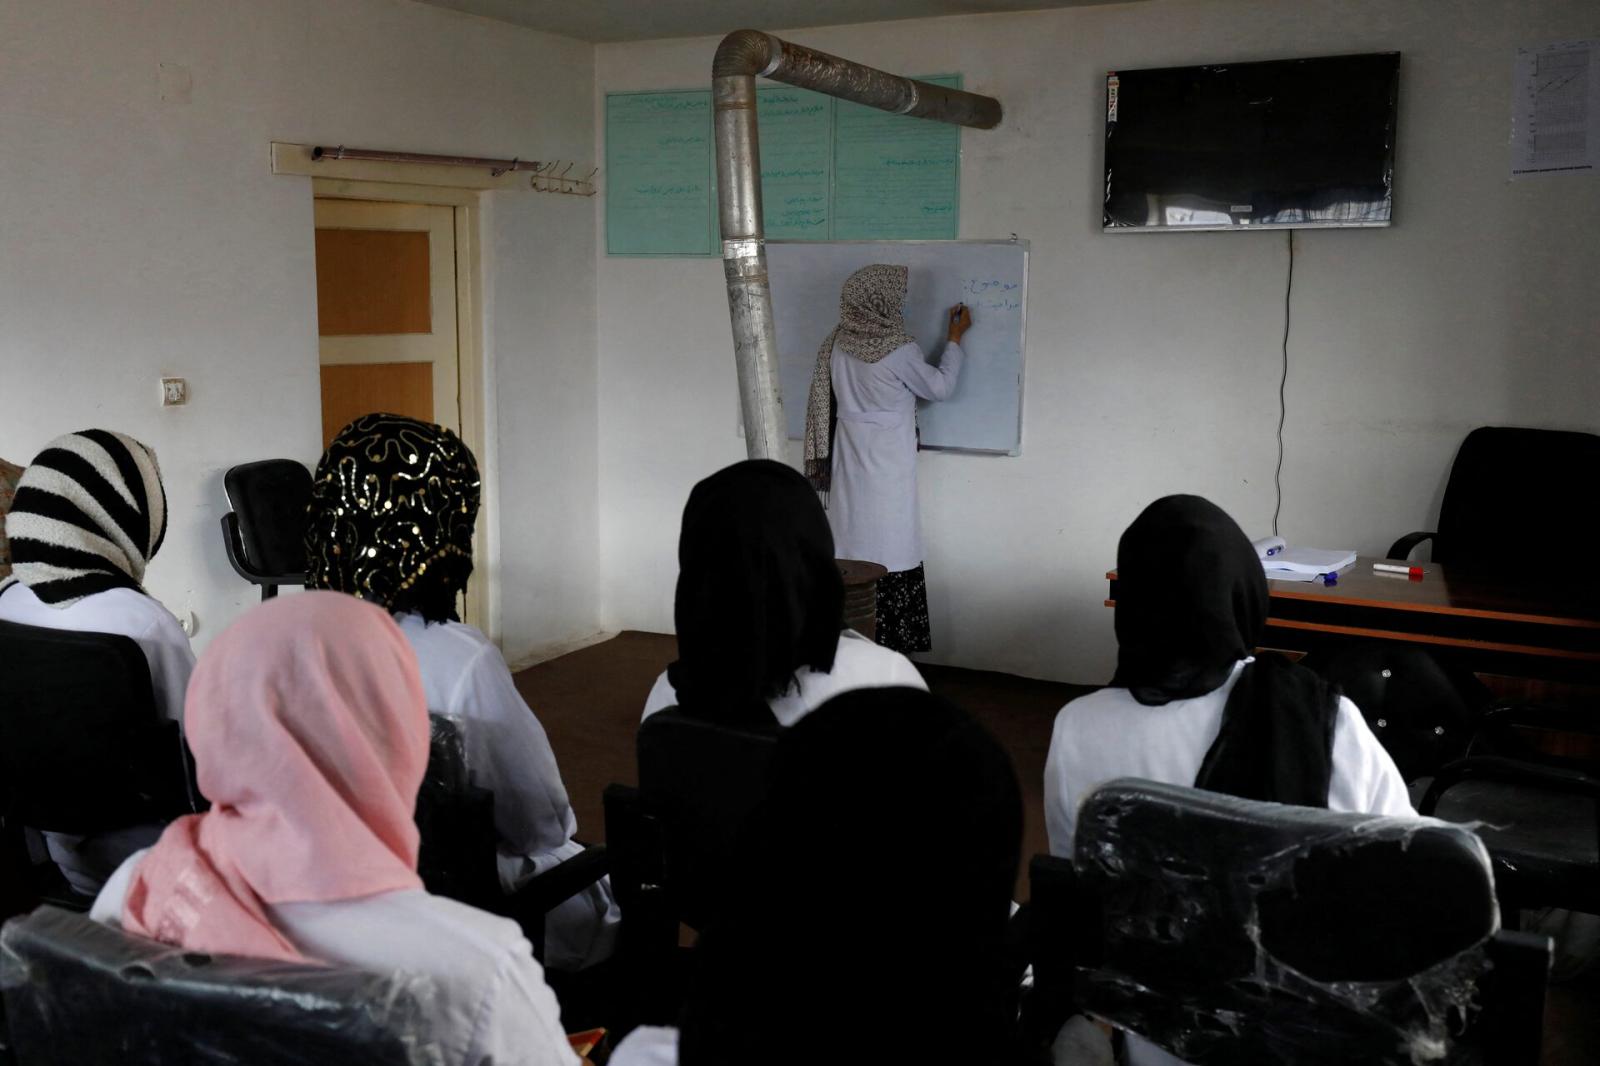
x: 1309, y: 561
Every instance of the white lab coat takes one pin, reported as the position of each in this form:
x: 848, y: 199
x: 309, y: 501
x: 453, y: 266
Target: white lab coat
x: 648, y: 1045
x: 1109, y: 734
x: 86, y: 862
x: 858, y: 663
x: 872, y: 505
x: 491, y: 1003
x: 508, y: 753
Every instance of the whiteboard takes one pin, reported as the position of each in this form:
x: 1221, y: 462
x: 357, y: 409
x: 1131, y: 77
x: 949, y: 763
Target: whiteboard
x: 990, y: 277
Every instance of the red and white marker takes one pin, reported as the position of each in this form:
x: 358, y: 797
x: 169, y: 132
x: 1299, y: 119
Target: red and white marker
x: 1413, y: 572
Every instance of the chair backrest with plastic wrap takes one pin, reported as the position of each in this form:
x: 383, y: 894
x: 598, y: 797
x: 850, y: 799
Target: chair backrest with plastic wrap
x: 77, y: 992
x: 1244, y: 933
x: 456, y: 820
x: 82, y: 747
x: 700, y: 782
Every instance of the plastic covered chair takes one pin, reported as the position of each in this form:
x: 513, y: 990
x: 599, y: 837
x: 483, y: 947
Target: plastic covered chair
x: 1538, y: 814
x: 83, y: 749
x: 1244, y: 933
x: 1513, y: 495
x: 77, y: 992
x: 264, y: 534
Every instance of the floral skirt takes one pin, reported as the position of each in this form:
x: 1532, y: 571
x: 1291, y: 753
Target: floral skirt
x: 903, y: 611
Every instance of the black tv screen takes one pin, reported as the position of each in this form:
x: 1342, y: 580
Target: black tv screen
x: 1289, y: 143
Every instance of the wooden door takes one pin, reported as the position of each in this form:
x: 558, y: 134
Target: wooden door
x: 386, y: 312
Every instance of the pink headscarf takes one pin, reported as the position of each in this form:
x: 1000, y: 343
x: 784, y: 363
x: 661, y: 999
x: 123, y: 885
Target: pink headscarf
x: 310, y: 732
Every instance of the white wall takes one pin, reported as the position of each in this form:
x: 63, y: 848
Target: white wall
x: 144, y: 237
x: 1152, y: 362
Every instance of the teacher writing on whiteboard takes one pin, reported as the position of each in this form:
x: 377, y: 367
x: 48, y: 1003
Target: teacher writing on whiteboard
x: 861, y: 440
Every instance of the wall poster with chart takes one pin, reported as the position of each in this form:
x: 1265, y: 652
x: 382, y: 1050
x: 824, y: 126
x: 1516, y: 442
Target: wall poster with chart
x: 990, y: 277
x: 830, y: 170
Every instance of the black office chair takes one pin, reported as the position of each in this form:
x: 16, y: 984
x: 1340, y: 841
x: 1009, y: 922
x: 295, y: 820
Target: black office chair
x: 82, y: 747
x: 1424, y: 713
x: 1512, y: 497
x: 1538, y: 814
x: 1228, y: 931
x: 672, y: 840
x: 459, y: 845
x: 77, y: 992
x: 264, y: 534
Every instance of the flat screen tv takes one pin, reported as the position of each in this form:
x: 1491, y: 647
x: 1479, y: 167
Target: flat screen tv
x: 1239, y: 146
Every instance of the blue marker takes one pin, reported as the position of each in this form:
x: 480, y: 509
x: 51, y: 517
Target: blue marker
x: 1329, y: 580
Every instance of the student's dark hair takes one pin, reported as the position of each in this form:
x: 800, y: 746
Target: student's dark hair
x: 759, y: 594
x: 393, y: 505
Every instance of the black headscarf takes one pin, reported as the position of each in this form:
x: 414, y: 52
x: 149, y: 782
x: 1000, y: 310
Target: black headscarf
x: 393, y: 506
x: 759, y: 594
x: 871, y: 897
x: 1192, y: 602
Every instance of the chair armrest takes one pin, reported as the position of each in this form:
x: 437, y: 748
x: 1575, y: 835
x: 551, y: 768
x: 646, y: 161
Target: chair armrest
x: 1510, y: 772
x: 561, y: 882
x: 1540, y: 716
x: 1401, y: 549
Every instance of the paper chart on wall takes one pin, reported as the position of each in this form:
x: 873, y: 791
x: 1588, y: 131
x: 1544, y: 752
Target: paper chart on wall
x: 830, y: 170
x: 658, y: 173
x: 1555, y: 119
x: 990, y: 277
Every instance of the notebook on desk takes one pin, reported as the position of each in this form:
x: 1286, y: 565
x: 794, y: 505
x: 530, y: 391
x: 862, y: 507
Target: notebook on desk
x: 1303, y: 564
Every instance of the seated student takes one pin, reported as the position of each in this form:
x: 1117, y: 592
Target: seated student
x: 760, y: 604
x: 392, y: 512
x: 310, y: 736
x: 883, y: 942
x: 1190, y: 704
x: 89, y: 515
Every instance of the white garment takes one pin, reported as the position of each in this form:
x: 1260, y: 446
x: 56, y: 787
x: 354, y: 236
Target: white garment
x: 648, y: 1045
x: 872, y: 505
x: 87, y: 861
x: 492, y: 1007
x: 858, y: 663
x: 508, y: 754
x: 1109, y: 734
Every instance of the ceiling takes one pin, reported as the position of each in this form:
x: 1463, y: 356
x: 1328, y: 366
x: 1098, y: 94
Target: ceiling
x: 639, y: 20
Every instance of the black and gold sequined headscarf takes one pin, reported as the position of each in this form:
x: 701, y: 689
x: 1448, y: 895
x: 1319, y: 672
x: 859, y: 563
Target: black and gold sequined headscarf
x: 392, y: 511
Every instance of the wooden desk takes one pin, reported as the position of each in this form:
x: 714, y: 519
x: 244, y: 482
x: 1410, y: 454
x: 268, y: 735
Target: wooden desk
x: 1489, y: 625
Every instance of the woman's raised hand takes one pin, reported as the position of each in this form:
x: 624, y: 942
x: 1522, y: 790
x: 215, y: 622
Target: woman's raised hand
x: 960, y: 322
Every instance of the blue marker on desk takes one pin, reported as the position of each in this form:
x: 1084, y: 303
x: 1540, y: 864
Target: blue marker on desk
x: 1330, y: 579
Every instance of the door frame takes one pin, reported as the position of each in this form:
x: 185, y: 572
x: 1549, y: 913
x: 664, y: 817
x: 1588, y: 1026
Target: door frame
x: 482, y: 602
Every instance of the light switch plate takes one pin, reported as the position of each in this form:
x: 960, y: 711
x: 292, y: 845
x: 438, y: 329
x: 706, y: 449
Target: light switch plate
x: 174, y: 392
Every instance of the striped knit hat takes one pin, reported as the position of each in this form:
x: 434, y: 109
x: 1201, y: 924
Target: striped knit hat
x: 89, y: 514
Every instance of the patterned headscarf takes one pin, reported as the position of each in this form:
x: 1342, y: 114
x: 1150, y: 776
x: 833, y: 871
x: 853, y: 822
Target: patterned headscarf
x: 89, y: 515
x: 871, y: 325
x: 393, y: 499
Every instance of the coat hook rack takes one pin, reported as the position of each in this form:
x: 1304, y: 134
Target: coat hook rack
x: 549, y: 176
x: 549, y: 179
